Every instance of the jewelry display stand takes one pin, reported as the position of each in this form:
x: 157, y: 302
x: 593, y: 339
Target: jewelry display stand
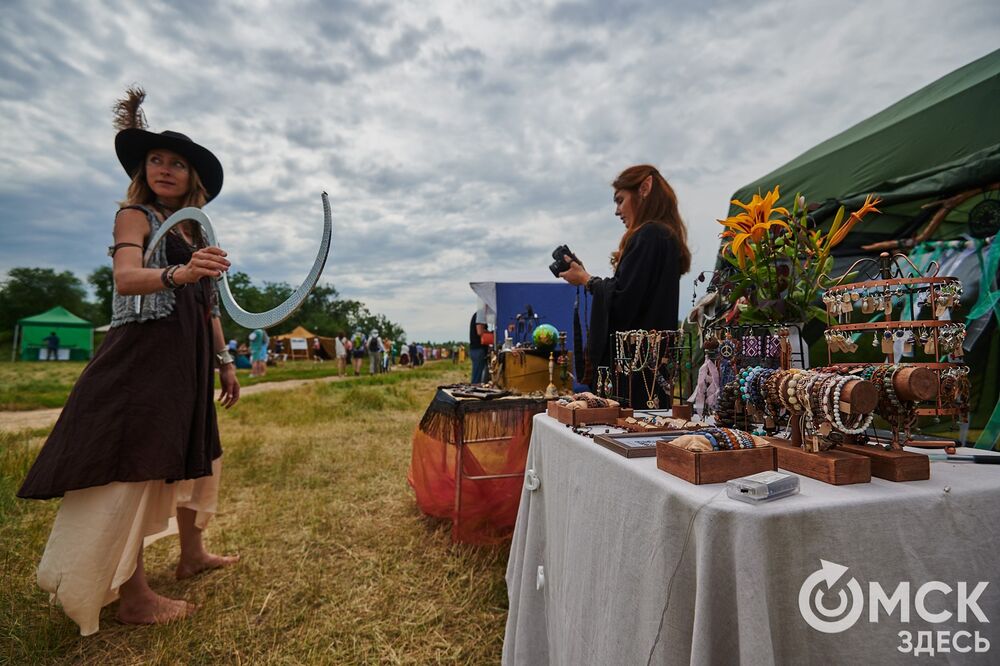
x: 832, y: 466
x: 658, y: 358
x: 919, y: 383
x: 733, y: 348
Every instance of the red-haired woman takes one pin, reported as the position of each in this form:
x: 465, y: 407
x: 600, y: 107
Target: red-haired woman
x: 644, y: 291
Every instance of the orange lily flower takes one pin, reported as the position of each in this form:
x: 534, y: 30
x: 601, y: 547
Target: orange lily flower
x: 869, y: 206
x: 748, y: 228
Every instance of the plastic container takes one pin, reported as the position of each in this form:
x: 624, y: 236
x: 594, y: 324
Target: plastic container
x: 762, y: 487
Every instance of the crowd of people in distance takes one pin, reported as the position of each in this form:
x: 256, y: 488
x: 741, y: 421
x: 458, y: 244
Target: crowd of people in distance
x: 351, y: 352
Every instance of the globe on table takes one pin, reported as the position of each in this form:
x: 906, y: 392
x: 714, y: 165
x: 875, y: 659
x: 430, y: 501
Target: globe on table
x: 545, y: 337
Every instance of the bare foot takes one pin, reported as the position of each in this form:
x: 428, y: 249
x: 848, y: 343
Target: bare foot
x: 153, y: 609
x: 194, y: 566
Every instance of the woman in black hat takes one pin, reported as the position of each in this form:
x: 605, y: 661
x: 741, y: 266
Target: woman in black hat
x: 137, y: 442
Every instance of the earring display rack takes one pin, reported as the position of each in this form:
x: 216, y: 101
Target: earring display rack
x: 892, y: 285
x: 648, y: 364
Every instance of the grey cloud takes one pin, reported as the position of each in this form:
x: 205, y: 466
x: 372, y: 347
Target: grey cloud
x: 453, y: 147
x: 404, y: 47
x: 310, y: 67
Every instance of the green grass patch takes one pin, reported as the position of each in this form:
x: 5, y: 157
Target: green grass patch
x: 339, y: 566
x: 26, y: 385
x: 36, y: 385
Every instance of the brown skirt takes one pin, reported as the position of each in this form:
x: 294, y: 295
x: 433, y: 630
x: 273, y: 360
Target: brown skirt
x: 141, y: 410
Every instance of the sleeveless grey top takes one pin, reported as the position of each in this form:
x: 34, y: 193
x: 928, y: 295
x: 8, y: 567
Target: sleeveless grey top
x: 160, y: 303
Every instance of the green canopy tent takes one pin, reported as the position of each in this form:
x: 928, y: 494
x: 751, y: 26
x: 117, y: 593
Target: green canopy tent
x: 76, y: 335
x: 934, y: 159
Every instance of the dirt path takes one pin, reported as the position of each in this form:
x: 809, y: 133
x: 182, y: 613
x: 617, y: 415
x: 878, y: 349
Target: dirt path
x: 44, y: 418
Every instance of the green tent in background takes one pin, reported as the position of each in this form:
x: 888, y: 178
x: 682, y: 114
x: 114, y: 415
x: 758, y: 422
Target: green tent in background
x: 76, y: 335
x: 940, y: 142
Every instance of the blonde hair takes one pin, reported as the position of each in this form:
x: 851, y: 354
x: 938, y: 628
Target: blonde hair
x: 139, y: 192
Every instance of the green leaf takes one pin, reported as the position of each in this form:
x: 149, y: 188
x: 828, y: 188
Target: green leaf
x: 816, y: 312
x: 836, y: 222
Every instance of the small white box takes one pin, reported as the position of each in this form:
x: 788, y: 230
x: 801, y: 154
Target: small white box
x: 762, y: 487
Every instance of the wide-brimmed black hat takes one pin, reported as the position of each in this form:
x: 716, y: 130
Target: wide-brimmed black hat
x: 132, y: 144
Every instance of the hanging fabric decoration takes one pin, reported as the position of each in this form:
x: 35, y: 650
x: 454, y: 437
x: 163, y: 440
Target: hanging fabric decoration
x: 706, y: 391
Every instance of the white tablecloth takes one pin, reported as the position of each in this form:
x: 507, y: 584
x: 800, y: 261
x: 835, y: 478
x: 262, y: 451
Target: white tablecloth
x: 642, y: 567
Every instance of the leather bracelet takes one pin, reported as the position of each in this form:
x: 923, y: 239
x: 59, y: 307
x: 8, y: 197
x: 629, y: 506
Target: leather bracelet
x: 167, y: 278
x: 589, y: 287
x: 224, y: 357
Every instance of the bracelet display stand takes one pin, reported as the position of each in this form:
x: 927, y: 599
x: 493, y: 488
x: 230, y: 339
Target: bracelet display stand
x: 917, y: 382
x: 832, y: 466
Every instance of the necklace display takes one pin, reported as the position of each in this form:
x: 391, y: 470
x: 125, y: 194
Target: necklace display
x: 650, y: 354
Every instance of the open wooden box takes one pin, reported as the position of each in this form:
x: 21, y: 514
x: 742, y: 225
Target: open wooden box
x: 700, y: 467
x: 576, y: 417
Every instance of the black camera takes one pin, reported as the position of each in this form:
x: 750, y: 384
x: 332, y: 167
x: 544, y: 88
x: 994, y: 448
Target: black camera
x: 560, y: 265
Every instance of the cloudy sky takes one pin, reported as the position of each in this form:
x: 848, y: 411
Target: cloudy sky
x: 458, y: 141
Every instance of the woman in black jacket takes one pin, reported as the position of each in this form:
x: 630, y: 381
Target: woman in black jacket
x: 643, y: 293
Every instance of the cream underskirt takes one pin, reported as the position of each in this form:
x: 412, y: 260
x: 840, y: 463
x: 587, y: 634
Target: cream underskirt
x: 98, y: 533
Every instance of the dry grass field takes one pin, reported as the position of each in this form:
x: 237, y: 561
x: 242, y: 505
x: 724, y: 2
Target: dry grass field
x: 338, y: 565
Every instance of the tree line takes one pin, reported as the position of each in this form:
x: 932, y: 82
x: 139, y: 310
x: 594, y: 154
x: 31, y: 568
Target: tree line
x: 31, y: 291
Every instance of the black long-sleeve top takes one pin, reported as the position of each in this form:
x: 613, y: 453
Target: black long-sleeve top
x: 642, y: 294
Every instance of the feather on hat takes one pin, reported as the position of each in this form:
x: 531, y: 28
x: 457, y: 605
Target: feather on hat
x: 133, y: 141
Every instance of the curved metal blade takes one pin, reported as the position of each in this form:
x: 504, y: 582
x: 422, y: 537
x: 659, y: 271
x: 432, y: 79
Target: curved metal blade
x: 246, y: 319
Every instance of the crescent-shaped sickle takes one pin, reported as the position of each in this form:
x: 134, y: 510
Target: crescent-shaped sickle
x: 238, y: 314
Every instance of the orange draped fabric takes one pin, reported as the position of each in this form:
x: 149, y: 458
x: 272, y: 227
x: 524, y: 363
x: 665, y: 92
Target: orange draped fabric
x: 495, y: 439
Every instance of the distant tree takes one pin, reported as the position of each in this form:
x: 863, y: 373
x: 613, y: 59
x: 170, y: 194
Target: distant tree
x: 103, y: 281
x: 30, y: 291
x: 322, y: 313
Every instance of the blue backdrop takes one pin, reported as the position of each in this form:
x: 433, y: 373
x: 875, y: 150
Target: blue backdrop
x: 550, y: 302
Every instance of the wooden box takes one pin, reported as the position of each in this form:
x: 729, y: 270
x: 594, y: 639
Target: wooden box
x: 575, y: 417
x: 700, y: 467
